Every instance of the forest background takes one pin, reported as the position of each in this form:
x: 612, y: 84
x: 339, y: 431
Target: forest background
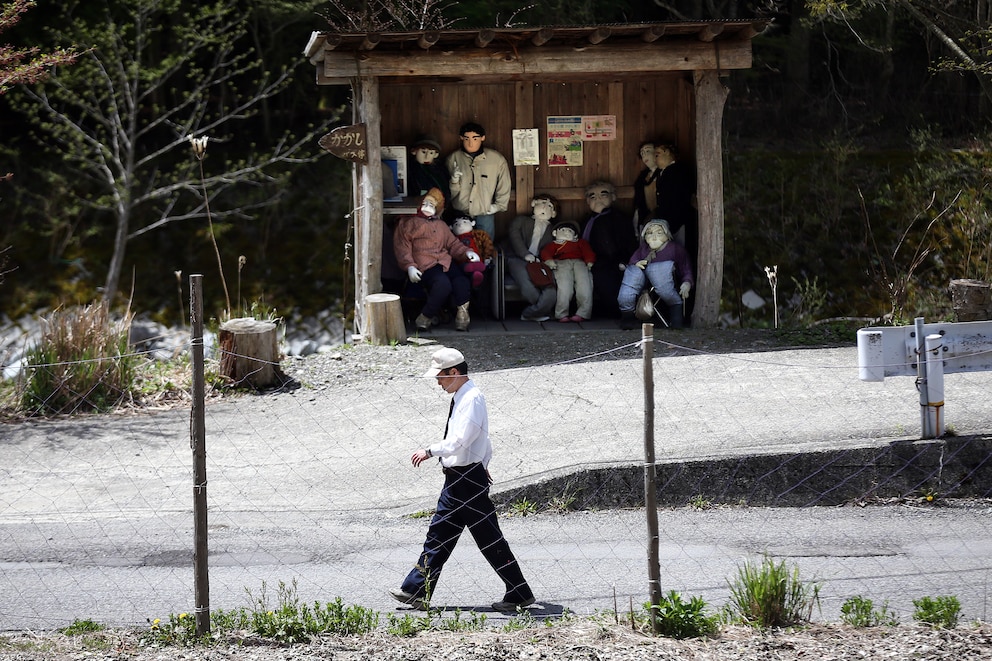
x: 856, y: 152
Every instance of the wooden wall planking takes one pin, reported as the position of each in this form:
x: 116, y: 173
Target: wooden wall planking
x: 659, y: 108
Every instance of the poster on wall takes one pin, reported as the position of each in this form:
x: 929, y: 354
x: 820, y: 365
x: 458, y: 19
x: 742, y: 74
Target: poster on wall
x: 525, y: 147
x: 599, y: 127
x: 394, y: 157
x: 565, y: 140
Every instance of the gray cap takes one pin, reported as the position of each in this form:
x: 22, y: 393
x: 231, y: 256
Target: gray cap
x: 443, y: 359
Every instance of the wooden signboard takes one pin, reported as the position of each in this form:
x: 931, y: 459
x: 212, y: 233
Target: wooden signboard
x: 347, y: 142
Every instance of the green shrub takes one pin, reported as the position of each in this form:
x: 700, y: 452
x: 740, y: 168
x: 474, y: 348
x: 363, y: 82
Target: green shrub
x: 81, y: 627
x: 81, y: 363
x: 941, y: 612
x: 860, y: 612
x: 770, y: 596
x: 679, y: 619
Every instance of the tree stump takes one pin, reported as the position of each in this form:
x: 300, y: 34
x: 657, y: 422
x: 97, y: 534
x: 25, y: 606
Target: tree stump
x: 249, y: 352
x: 384, y: 319
x: 971, y: 299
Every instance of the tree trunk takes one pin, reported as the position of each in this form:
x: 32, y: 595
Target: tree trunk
x: 384, y: 319
x: 249, y: 352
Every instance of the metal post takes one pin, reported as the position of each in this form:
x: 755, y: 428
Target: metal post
x: 935, y: 384
x: 198, y: 444
x: 650, y: 472
x: 921, y: 378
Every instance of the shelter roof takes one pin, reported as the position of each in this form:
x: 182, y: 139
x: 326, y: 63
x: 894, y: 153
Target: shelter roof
x: 405, y: 53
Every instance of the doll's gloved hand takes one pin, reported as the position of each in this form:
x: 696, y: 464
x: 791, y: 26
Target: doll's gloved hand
x: 643, y: 264
x: 530, y: 258
x: 589, y: 265
x: 551, y: 264
x: 456, y: 176
x: 684, y: 290
x: 493, y: 209
x: 414, y: 274
x: 472, y: 256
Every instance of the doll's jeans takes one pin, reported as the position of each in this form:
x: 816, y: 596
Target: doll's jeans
x: 573, y: 277
x: 661, y: 277
x: 486, y: 223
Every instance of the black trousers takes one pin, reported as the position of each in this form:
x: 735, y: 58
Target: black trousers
x: 464, y: 503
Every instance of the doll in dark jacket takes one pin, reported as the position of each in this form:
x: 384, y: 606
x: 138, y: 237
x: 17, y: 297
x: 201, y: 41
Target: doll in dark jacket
x: 608, y: 230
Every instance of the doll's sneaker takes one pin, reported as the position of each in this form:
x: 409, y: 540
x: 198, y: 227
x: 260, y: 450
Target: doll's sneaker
x: 576, y: 318
x: 565, y: 320
x: 422, y: 322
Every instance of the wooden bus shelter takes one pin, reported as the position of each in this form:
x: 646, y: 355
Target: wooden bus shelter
x: 653, y: 81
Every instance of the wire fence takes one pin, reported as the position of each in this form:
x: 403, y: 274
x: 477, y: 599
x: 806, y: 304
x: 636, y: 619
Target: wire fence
x: 784, y: 454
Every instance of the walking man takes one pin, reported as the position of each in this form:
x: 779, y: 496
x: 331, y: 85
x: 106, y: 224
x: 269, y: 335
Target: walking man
x: 464, y: 454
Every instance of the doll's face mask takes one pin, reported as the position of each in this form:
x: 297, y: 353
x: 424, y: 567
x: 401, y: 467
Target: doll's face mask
x: 544, y: 210
x: 599, y: 199
x: 647, y: 157
x: 428, y: 207
x: 655, y: 237
x: 425, y: 155
x: 564, y: 235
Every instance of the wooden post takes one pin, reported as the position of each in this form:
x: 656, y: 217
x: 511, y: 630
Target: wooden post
x: 201, y: 578
x: 650, y: 474
x: 384, y: 319
x: 249, y: 351
x: 971, y: 299
x: 368, y: 215
x: 711, y: 96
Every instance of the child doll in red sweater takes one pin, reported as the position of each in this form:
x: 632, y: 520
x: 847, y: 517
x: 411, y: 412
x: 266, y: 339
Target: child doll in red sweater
x: 477, y: 240
x: 571, y: 258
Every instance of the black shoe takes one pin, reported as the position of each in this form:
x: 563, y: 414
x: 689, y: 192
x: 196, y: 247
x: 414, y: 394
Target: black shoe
x: 628, y: 321
x: 510, y: 606
x: 410, y: 599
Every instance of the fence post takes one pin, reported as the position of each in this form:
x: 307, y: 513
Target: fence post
x: 935, y: 384
x: 921, y: 378
x: 650, y: 472
x: 198, y: 443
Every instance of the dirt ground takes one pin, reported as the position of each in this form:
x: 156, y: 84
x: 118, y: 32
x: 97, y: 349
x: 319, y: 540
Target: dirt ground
x: 580, y: 639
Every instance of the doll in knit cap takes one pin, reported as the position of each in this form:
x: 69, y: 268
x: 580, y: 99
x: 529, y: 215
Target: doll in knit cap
x: 427, y: 171
x: 477, y: 240
x: 571, y: 258
x: 658, y: 262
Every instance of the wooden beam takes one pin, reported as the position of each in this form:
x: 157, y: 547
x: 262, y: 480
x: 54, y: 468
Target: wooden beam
x: 331, y: 41
x: 654, y: 34
x: 542, y: 36
x: 751, y: 31
x: 371, y: 41
x: 368, y: 204
x: 711, y: 97
x: 710, y: 32
x: 542, y: 64
x: 523, y: 117
x: 428, y: 39
x: 599, y: 35
x: 484, y: 37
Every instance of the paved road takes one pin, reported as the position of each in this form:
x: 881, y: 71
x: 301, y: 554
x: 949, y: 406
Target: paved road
x: 313, y: 485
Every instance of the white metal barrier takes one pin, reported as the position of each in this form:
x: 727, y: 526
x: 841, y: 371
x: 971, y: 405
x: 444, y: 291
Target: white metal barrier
x: 927, y: 351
